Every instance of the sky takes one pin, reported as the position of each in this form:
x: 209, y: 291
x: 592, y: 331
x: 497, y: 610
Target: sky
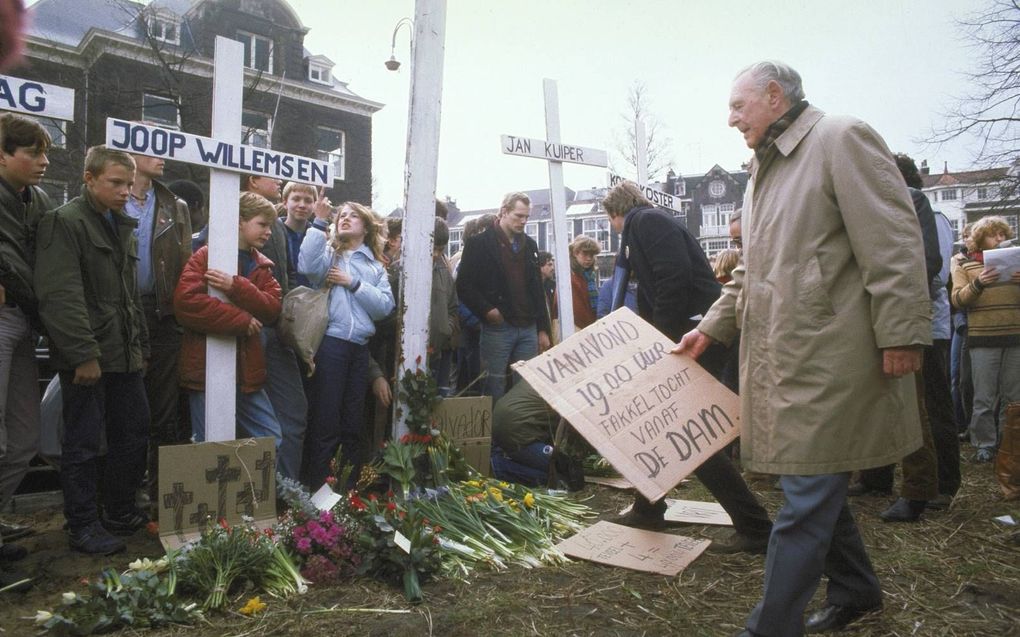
x: 897, y: 64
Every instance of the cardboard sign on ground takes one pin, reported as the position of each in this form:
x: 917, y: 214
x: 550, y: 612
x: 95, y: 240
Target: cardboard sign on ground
x: 467, y: 422
x: 626, y: 547
x: 215, y: 480
x: 653, y: 415
x: 692, y: 512
x: 613, y: 482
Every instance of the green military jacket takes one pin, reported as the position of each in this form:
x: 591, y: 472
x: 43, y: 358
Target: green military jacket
x: 85, y: 279
x: 18, y: 223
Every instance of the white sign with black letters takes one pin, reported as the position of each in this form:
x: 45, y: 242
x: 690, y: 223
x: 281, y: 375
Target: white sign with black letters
x: 657, y: 197
x: 36, y: 98
x: 553, y: 151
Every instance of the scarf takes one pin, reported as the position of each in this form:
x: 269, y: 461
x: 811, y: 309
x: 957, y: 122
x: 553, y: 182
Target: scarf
x: 766, y: 150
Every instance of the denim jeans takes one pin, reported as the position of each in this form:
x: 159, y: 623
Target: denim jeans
x: 19, y: 401
x: 255, y: 416
x: 501, y: 345
x: 287, y: 394
x: 529, y: 465
x: 960, y: 381
x: 116, y: 404
x: 996, y: 372
x: 336, y: 414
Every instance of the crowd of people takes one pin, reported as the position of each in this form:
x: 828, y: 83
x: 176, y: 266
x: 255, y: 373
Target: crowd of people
x: 857, y: 334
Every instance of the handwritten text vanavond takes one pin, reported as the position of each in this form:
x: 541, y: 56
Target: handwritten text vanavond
x: 654, y: 416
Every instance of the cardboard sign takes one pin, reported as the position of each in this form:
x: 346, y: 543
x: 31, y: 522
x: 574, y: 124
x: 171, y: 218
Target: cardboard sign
x: 613, y: 482
x: 467, y: 422
x: 154, y: 141
x: 218, y: 480
x: 649, y: 551
x: 692, y: 512
x: 653, y: 415
x: 36, y: 98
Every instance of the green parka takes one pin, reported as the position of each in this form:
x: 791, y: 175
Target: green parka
x: 18, y: 223
x: 86, y: 282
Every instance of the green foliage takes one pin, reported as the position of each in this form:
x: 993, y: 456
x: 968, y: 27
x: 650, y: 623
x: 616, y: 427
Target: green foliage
x: 419, y: 392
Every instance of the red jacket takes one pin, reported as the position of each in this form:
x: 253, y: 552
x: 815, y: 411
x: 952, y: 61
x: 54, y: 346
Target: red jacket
x: 199, y: 313
x: 584, y: 315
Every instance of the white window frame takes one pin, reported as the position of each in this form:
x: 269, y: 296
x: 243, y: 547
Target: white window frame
x: 58, y: 126
x: 325, y: 74
x: 713, y: 247
x: 250, y: 39
x: 250, y: 134
x: 338, y: 159
x: 597, y: 228
x: 531, y: 229
x: 162, y: 22
x: 981, y: 193
x: 946, y: 196
x: 456, y: 238
x: 162, y: 122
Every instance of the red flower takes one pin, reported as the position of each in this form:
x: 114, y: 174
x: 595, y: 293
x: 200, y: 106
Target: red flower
x: 330, y: 480
x: 356, y: 503
x: 437, y: 529
x: 417, y: 360
x: 372, y: 497
x: 223, y: 523
x: 389, y: 494
x: 268, y: 531
x: 152, y: 528
x: 405, y: 439
x: 390, y: 506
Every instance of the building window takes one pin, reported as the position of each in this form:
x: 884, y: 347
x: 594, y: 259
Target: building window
x: 453, y: 247
x: 258, y: 51
x: 715, y: 218
x: 982, y: 193
x: 949, y: 195
x: 320, y: 74
x: 54, y: 127
x: 256, y: 129
x: 1012, y: 221
x: 598, y: 228
x: 160, y: 110
x: 164, y: 29
x: 713, y: 247
x: 330, y: 145
x: 531, y: 229
x: 56, y: 190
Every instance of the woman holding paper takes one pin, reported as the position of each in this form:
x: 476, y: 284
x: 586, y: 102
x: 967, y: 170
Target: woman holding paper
x: 993, y: 337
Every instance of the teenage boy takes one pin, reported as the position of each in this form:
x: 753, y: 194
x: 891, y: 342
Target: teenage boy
x: 23, y: 162
x: 86, y: 281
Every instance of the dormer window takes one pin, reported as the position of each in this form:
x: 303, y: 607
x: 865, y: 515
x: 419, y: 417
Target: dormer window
x: 164, y: 28
x: 320, y: 70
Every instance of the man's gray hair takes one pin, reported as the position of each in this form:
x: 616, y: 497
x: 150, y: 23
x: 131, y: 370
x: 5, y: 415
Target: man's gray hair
x: 768, y: 70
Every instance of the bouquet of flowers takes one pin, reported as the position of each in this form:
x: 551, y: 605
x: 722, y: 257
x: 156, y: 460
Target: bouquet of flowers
x: 324, y: 542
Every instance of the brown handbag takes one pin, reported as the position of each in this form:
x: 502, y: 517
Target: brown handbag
x: 1007, y: 460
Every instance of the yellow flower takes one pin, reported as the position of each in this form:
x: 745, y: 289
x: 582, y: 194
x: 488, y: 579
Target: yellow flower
x: 253, y: 607
x: 529, y: 500
x: 505, y: 485
x: 496, y: 494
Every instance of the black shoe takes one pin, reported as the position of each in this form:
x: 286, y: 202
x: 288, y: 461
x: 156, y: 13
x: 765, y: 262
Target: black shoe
x: 96, y: 540
x: 903, y: 510
x: 858, y: 489
x: 14, y: 582
x: 643, y: 514
x: 11, y: 532
x: 831, y: 618
x: 569, y: 469
x: 740, y: 543
x: 942, y: 502
x: 127, y: 523
x: 12, y: 553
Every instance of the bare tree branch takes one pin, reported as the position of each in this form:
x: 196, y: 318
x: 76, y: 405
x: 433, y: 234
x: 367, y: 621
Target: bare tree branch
x: 658, y: 146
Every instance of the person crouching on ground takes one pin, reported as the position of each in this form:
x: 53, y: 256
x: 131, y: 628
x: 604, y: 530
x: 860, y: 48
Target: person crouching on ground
x: 252, y: 300
x: 348, y: 260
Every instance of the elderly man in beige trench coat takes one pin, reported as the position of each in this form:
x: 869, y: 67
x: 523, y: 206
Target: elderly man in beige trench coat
x: 832, y: 307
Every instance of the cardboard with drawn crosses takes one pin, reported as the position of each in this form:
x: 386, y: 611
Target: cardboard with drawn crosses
x: 210, y: 481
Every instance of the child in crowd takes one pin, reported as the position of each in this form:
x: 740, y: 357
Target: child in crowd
x: 347, y: 260
x: 584, y: 281
x: 254, y: 301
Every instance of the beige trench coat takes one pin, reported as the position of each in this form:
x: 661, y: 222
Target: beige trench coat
x: 833, y: 272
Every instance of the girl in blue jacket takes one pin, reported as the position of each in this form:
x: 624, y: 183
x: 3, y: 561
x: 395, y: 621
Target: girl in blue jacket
x: 348, y: 261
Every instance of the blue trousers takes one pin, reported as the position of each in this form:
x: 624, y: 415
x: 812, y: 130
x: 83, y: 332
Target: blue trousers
x: 529, y: 465
x: 336, y: 413
x: 286, y: 392
x: 255, y: 416
x: 814, y: 534
x: 503, y: 344
x: 116, y: 404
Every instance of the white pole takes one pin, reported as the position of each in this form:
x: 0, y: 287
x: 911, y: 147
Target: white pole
x: 221, y: 351
x: 420, y: 189
x: 640, y: 151
x: 558, y: 210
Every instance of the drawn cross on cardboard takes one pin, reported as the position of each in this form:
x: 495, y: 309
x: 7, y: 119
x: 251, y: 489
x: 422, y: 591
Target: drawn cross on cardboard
x: 266, y: 465
x: 200, y: 515
x: 222, y: 475
x: 246, y: 500
x: 177, y: 500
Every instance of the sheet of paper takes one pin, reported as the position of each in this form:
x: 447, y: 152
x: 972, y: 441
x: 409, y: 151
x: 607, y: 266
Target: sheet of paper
x: 693, y: 512
x: 325, y: 498
x: 1006, y: 260
x: 626, y: 547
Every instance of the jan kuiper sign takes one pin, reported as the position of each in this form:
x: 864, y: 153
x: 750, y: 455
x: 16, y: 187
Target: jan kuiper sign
x: 154, y: 141
x: 553, y: 151
x: 653, y: 415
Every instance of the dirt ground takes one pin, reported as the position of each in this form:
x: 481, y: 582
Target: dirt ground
x: 955, y: 573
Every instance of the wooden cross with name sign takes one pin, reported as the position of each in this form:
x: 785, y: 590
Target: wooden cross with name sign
x: 554, y: 152
x: 35, y: 98
x: 226, y: 157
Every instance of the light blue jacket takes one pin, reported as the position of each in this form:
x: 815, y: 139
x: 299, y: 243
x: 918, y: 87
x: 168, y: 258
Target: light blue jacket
x: 352, y: 310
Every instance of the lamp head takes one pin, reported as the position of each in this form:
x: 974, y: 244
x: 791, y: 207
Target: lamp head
x: 392, y: 64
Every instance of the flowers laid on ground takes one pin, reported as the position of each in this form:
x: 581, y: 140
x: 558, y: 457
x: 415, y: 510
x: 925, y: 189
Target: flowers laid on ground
x: 323, y: 541
x: 143, y: 596
x: 253, y: 606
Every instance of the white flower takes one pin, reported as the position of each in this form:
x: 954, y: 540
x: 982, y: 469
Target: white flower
x: 69, y: 597
x: 42, y: 616
x: 137, y: 565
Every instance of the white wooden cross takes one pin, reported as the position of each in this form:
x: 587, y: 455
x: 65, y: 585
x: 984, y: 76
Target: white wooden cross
x: 226, y: 157
x: 657, y: 197
x: 555, y: 153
